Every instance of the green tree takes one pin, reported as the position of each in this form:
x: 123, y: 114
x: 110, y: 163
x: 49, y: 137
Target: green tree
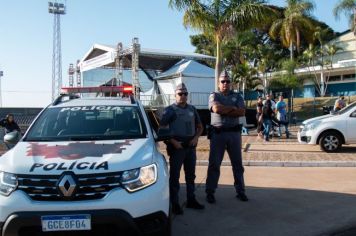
x: 319, y: 62
x: 347, y: 8
x: 294, y: 22
x: 286, y: 78
x: 219, y: 19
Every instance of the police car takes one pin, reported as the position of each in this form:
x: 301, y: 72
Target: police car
x: 87, y: 165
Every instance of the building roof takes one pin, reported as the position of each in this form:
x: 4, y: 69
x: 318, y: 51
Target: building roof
x: 188, y: 68
x: 149, y: 59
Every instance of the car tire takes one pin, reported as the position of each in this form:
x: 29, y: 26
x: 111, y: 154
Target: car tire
x: 330, y: 142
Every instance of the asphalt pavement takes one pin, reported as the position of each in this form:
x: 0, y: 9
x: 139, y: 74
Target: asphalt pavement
x: 282, y: 201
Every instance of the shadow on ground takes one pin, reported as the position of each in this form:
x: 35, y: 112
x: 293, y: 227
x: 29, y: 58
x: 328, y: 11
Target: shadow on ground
x: 270, y: 211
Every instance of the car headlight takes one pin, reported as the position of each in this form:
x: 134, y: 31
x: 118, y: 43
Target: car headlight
x: 139, y: 178
x: 311, y: 126
x: 8, y: 183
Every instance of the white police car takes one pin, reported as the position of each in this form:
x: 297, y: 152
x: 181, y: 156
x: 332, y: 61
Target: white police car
x: 86, y: 165
x: 330, y: 131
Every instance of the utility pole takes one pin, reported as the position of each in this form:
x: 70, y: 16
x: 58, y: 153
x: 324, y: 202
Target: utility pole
x: 57, y: 9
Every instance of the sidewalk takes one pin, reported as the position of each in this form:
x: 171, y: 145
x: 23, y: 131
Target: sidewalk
x: 283, y: 201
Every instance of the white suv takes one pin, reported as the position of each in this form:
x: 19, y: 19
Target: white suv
x: 86, y: 165
x: 330, y: 131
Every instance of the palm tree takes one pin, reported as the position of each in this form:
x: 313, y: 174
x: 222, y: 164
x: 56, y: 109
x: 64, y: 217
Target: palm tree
x: 348, y: 8
x: 295, y: 21
x: 219, y: 19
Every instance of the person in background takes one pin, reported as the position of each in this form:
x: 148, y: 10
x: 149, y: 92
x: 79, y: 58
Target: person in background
x: 226, y: 107
x: 9, y: 124
x: 259, y: 119
x: 339, y: 103
x: 267, y: 116
x: 281, y: 108
x: 185, y: 127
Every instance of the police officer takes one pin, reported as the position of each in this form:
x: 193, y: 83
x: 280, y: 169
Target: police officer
x: 185, y: 127
x: 226, y: 107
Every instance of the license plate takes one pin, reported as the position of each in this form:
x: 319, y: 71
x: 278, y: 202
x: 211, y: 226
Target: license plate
x: 66, y: 222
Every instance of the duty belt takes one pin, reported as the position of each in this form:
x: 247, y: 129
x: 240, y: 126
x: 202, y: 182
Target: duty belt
x: 236, y: 128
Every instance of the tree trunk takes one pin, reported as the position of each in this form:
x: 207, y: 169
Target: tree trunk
x: 322, y: 83
x: 291, y: 50
x: 217, y: 63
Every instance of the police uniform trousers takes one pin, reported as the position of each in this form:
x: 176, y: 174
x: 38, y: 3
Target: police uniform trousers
x: 177, y: 158
x: 231, y: 141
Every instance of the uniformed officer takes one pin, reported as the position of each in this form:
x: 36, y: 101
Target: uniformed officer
x: 185, y: 127
x: 226, y: 107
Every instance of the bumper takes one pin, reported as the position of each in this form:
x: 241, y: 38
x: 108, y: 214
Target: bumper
x: 103, y: 222
x: 306, y: 138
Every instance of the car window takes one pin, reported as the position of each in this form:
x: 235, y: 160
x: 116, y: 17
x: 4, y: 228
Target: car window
x: 353, y: 114
x: 347, y: 108
x: 88, y: 123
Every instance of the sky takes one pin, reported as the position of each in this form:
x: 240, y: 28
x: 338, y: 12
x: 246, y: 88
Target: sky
x: 26, y: 38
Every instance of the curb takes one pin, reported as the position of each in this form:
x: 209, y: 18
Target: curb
x: 287, y: 163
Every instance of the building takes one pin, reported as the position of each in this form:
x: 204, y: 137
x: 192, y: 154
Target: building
x: 339, y: 78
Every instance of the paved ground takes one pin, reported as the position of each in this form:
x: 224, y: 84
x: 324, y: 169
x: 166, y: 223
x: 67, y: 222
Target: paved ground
x: 283, y: 201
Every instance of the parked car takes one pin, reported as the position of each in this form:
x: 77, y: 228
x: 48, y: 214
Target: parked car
x: 88, y: 165
x: 330, y: 131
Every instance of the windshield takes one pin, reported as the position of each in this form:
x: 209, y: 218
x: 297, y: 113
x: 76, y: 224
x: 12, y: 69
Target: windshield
x: 82, y: 123
x: 346, y: 109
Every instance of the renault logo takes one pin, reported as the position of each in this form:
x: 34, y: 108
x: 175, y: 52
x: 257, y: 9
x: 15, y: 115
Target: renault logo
x: 67, y: 185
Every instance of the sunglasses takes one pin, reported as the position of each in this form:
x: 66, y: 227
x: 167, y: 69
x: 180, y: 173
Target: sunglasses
x: 181, y: 94
x: 225, y: 81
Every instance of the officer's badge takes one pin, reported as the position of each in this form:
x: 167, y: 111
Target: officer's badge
x: 234, y: 99
x: 191, y: 113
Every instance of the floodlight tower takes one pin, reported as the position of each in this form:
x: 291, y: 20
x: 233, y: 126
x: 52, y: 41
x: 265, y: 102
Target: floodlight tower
x: 57, y: 9
x: 135, y: 67
x: 77, y: 70
x: 71, y: 72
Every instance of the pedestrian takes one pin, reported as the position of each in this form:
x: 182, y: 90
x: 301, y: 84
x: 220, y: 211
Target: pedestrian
x: 267, y: 116
x: 185, y: 126
x: 226, y: 107
x: 259, y: 119
x: 10, y: 125
x: 339, y: 103
x: 281, y: 108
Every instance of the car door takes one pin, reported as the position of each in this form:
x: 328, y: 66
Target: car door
x: 351, y: 127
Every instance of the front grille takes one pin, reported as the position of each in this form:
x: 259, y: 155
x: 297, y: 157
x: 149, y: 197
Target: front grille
x: 89, y: 187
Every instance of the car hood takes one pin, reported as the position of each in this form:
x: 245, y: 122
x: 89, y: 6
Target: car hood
x: 317, y: 118
x: 78, y: 157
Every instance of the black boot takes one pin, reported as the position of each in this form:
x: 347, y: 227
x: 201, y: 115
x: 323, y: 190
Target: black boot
x: 210, y: 198
x: 176, y: 209
x: 194, y: 204
x: 242, y: 197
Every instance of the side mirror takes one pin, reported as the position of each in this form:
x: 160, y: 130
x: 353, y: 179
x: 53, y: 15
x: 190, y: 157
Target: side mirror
x: 12, y: 137
x: 163, y: 134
